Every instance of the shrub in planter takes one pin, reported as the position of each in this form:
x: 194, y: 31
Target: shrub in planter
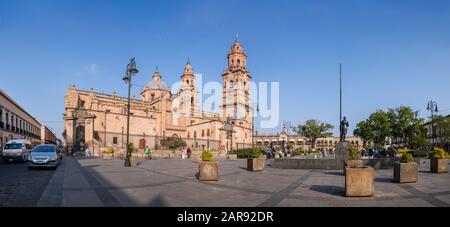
x: 256, y: 161
x: 298, y: 152
x: 407, y: 170
x: 359, y: 179
x: 108, y: 153
x: 439, y: 161
x: 208, y: 167
x: 354, y: 159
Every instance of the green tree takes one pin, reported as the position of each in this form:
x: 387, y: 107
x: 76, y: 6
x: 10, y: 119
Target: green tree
x: 364, y: 131
x: 313, y: 129
x: 406, y: 125
x: 173, y: 143
x: 442, y: 130
x: 375, y: 129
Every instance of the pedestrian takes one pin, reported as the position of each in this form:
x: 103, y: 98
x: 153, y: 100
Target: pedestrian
x: 184, y: 153
x: 87, y: 153
x: 147, y: 152
x: 189, y: 152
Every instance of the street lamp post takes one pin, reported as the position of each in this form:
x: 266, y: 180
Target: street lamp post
x: 433, y: 108
x: 253, y: 126
x: 130, y: 72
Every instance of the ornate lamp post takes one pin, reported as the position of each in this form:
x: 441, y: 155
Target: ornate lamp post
x: 433, y: 108
x: 130, y: 72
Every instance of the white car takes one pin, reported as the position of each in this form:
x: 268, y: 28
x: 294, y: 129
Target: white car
x: 16, y: 150
x: 45, y: 155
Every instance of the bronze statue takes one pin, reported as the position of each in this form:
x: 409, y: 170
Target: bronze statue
x: 344, y: 129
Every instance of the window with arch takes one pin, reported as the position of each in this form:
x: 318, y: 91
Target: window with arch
x: 203, y: 133
x: 239, y: 62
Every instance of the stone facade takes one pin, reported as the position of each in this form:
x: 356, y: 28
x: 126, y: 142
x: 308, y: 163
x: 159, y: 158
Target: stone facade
x: 298, y: 141
x: 98, y: 120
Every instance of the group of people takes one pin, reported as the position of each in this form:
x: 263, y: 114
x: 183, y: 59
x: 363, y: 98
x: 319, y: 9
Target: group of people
x: 185, y: 153
x: 149, y: 153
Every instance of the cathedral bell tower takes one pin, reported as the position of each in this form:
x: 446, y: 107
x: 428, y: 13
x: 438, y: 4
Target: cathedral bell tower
x: 188, y: 103
x: 236, y: 99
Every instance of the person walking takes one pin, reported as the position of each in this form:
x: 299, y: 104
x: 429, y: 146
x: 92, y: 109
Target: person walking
x: 184, y: 153
x: 87, y: 152
x: 189, y: 152
x: 147, y: 152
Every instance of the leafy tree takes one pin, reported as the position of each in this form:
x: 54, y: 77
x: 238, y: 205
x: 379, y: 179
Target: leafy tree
x: 313, y: 129
x: 442, y: 130
x: 375, y: 129
x: 173, y: 143
x: 406, y: 125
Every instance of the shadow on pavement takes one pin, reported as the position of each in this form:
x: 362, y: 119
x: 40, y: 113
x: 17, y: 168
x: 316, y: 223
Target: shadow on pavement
x: 331, y: 190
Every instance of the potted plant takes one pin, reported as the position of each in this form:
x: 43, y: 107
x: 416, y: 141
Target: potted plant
x: 407, y: 170
x: 354, y: 159
x: 359, y: 179
x: 108, y: 153
x: 130, y: 150
x: 256, y: 161
x: 208, y: 167
x: 439, y: 161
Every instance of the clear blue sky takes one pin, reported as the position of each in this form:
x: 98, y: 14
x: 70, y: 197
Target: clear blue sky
x: 394, y: 52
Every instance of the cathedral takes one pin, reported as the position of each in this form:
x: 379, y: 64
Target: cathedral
x: 98, y: 121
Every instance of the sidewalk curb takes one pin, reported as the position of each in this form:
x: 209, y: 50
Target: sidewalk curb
x: 52, y: 196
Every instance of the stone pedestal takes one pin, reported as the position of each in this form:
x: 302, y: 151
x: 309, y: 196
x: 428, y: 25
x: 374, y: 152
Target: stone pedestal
x: 342, y: 149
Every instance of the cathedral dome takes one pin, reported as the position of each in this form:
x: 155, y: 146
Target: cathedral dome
x: 157, y: 83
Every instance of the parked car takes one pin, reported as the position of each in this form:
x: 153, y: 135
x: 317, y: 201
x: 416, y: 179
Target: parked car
x: 45, y: 155
x: 16, y: 150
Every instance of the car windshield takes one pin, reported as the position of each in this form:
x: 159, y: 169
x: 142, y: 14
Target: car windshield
x: 43, y: 149
x: 13, y: 146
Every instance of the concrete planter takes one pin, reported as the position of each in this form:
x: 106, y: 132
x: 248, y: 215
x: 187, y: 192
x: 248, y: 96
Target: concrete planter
x: 133, y: 161
x: 256, y: 164
x: 359, y: 182
x: 208, y: 171
x: 439, y: 165
x: 232, y: 157
x: 353, y: 164
x: 406, y: 172
x: 107, y: 156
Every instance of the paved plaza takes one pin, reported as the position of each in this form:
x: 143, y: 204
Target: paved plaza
x: 172, y: 182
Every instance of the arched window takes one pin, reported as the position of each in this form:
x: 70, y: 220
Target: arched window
x: 239, y: 62
x: 192, y: 100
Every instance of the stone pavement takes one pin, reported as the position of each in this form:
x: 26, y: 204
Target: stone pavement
x: 172, y: 182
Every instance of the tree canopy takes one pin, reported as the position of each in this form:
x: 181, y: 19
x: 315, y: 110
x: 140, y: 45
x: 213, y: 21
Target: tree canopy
x: 314, y: 129
x: 399, y: 123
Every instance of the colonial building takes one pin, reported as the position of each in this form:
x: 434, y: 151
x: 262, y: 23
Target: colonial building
x: 298, y: 141
x: 98, y: 120
x: 17, y: 123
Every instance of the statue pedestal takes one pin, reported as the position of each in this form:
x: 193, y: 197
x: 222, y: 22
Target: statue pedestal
x: 342, y: 149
